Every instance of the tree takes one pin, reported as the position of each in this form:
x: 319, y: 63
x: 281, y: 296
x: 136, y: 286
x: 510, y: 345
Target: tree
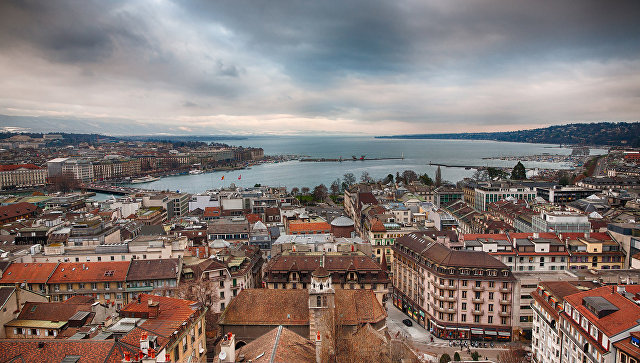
x: 388, y: 179
x: 495, y: 173
x: 335, y: 187
x: 305, y: 190
x: 409, y: 176
x: 480, y: 175
x: 257, y: 185
x: 204, y: 292
x: 445, y: 358
x: 398, y: 177
x: 438, y: 177
x: 365, y: 177
x: 475, y: 355
x: 456, y: 357
x: 320, y: 192
x: 349, y: 179
x: 519, y: 172
x: 295, y: 191
x: 564, y: 178
x: 513, y: 355
x: 64, y: 183
x: 425, y: 179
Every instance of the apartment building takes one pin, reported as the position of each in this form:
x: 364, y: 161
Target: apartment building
x: 596, y: 251
x: 485, y: 195
x: 560, y: 222
x: 232, y: 270
x: 22, y: 175
x: 105, y: 281
x: 593, y: 321
x: 455, y: 294
x: 547, y: 304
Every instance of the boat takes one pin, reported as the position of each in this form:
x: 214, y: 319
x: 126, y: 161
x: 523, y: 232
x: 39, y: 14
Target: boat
x: 195, y: 171
x: 145, y: 179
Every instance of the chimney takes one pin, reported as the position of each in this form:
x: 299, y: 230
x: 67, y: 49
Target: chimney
x: 144, y: 343
x: 17, y: 292
x: 154, y: 308
x: 127, y: 356
x: 228, y: 349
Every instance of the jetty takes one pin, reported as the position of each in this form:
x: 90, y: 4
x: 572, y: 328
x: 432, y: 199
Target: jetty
x: 353, y: 158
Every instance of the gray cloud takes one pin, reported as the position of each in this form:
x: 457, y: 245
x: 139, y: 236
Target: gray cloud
x: 408, y: 66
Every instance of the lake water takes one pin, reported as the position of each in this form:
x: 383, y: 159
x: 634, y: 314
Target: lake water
x: 417, y: 155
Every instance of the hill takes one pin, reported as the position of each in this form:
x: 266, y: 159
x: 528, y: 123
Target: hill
x: 601, y: 133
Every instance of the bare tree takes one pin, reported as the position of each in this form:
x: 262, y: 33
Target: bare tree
x: 409, y: 176
x: 320, y: 192
x: 349, y: 179
x: 366, y: 177
x: 295, y: 191
x: 438, y: 177
x: 335, y: 187
x: 204, y: 292
x: 513, y: 355
x: 305, y: 190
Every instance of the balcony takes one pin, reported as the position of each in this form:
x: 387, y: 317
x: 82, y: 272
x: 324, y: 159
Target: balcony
x: 504, y: 313
x: 442, y: 310
x: 505, y: 302
x: 478, y: 301
x: 503, y: 289
x: 477, y: 312
x: 478, y: 288
x: 451, y: 299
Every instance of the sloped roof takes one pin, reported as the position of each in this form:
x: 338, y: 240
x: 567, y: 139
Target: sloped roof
x: 299, y: 226
x: 55, y: 350
x: 16, y: 210
x: 624, y: 318
x: 18, y: 166
x: 33, y: 273
x: 54, y: 311
x: 159, y: 269
x: 279, y: 345
x: 90, y: 272
x: 354, y: 306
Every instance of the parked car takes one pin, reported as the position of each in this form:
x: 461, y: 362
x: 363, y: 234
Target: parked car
x: 407, y: 322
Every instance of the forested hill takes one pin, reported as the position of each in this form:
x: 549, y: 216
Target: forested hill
x: 602, y: 133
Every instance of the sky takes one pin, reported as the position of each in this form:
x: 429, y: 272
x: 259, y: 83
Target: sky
x: 316, y: 67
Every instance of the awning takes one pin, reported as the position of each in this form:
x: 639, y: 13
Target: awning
x: 490, y: 332
x: 463, y: 329
x: 436, y: 325
x: 476, y: 331
x: 504, y: 334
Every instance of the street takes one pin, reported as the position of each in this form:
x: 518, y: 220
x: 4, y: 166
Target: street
x: 420, y: 339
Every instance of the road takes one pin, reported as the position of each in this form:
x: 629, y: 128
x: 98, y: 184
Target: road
x: 420, y: 338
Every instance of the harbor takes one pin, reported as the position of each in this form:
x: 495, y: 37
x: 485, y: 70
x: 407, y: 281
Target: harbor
x: 353, y: 158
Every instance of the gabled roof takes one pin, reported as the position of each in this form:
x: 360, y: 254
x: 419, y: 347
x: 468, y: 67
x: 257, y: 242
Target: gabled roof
x: 32, y: 273
x: 18, y: 166
x: 16, y: 210
x: 279, y: 345
x: 55, y: 350
x: 160, y: 269
x: 69, y: 272
x: 53, y: 311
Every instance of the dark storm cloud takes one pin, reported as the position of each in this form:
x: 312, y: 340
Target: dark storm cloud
x: 311, y: 64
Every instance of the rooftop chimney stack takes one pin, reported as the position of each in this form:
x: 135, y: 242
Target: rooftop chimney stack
x: 228, y: 348
x: 144, y: 342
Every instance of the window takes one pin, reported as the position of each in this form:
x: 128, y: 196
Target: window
x: 464, y: 306
x: 119, y: 285
x: 94, y: 286
x: 318, y: 301
x: 476, y: 319
x: 69, y: 287
x: 222, y: 294
x: 107, y: 285
x: 478, y: 283
x: 464, y: 294
x: 490, y: 307
x: 490, y: 296
x: 463, y: 317
x: 81, y: 285
x: 221, y: 306
x: 490, y: 320
x: 221, y: 283
x: 491, y: 284
x: 464, y: 283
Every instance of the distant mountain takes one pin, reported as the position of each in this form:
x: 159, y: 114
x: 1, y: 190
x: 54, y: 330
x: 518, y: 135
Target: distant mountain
x: 601, y: 133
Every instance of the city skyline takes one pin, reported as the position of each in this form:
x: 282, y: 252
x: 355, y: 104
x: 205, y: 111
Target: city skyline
x: 323, y: 68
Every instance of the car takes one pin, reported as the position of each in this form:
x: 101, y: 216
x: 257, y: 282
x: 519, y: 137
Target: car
x: 407, y: 322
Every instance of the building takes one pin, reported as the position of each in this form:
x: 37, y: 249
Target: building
x: 12, y: 299
x: 233, y: 269
x: 79, y: 169
x: 564, y: 195
x: 234, y: 229
x: 171, y: 329
x: 455, y: 294
x: 160, y: 277
x: 560, y: 222
x: 547, y: 304
x: 31, y: 276
x: 21, y: 176
x: 13, y: 212
x: 593, y: 321
x: 105, y: 281
x: 628, y: 235
x: 343, y: 227
x: 485, y: 195
x: 596, y: 251
x: 628, y: 349
x: 304, y: 312
x: 293, y: 270
x: 313, y: 226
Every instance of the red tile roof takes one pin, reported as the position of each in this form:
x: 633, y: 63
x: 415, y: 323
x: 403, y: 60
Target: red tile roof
x: 476, y: 236
x: 600, y: 236
x: 288, y: 347
x: 212, y: 212
x: 299, y: 227
x: 172, y: 313
x: 68, y: 272
x: 616, y: 322
x: 32, y: 273
x: 16, y: 210
x: 55, y: 350
x: 253, y: 218
x: 18, y: 166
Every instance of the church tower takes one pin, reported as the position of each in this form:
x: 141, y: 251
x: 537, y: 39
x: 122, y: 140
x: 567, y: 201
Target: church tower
x: 321, y: 313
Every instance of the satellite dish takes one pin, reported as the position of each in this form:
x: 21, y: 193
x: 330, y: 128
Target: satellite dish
x: 222, y: 355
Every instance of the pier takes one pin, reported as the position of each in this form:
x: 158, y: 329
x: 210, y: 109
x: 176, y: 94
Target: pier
x: 353, y: 158
x: 457, y: 166
x: 110, y: 189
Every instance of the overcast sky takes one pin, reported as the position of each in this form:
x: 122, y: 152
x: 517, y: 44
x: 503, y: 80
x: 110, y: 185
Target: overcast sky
x: 374, y: 67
